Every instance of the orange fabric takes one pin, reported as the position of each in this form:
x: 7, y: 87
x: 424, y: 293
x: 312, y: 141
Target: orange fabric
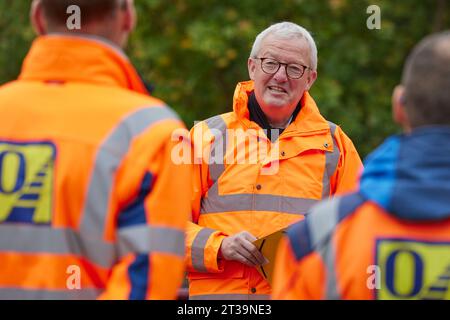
x: 116, y: 288
x: 75, y: 92
x: 302, y: 148
x: 16, y: 270
x: 355, y: 241
x: 290, y: 282
x: 102, y: 64
x: 164, y: 267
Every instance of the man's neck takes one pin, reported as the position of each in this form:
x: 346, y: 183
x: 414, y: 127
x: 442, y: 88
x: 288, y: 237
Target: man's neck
x: 280, y: 124
x: 257, y: 115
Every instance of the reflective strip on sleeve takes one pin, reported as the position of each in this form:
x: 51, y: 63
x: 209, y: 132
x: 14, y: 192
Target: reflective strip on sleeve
x: 331, y: 162
x: 146, y: 239
x: 322, y: 222
x: 23, y: 294
x: 328, y: 254
x: 198, y: 249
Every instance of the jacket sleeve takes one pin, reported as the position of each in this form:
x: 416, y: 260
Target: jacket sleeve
x: 345, y: 178
x: 150, y: 229
x: 297, y: 280
x: 202, y: 244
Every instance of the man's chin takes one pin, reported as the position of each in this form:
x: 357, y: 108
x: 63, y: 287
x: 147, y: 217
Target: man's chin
x: 275, y: 104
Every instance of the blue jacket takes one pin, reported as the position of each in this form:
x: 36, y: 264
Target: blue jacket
x: 409, y: 175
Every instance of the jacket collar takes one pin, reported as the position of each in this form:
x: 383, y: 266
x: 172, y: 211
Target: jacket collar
x: 308, y: 121
x: 86, y: 59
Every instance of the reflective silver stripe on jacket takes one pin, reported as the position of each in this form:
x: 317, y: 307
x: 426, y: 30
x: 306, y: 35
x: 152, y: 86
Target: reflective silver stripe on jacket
x: 218, y: 128
x: 331, y: 163
x: 214, y: 203
x: 198, y: 249
x: 24, y: 238
x: 322, y: 221
x: 63, y: 241
x: 144, y: 239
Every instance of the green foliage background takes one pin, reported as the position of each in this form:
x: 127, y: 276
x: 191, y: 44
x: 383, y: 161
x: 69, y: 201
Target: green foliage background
x: 195, y: 51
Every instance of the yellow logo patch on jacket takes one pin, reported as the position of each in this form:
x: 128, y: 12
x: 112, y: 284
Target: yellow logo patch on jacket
x: 412, y: 269
x: 26, y: 182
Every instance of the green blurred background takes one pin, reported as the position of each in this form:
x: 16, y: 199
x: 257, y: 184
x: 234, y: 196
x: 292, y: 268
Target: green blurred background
x: 195, y: 51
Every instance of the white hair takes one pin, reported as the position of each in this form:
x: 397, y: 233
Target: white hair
x: 286, y: 30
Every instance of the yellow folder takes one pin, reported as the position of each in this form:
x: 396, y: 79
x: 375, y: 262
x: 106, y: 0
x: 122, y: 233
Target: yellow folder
x: 268, y: 247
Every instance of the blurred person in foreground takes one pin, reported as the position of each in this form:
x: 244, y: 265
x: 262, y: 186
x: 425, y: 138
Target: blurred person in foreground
x: 262, y: 166
x: 390, y: 239
x: 89, y: 207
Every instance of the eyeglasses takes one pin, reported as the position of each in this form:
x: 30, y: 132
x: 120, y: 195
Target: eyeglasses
x: 293, y: 70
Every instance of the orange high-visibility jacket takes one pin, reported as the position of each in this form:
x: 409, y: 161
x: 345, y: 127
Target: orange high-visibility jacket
x: 89, y: 207
x: 390, y: 240
x: 251, y: 184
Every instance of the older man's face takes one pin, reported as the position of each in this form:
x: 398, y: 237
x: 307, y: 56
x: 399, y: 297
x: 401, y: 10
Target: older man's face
x: 277, y: 94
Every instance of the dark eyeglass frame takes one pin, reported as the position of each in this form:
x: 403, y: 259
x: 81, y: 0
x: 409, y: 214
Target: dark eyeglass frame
x: 286, y: 67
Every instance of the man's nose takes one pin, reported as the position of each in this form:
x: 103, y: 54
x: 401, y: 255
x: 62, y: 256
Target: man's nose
x: 281, y: 74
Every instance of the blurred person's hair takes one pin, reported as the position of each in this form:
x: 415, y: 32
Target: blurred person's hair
x: 426, y: 78
x: 286, y: 30
x: 55, y: 11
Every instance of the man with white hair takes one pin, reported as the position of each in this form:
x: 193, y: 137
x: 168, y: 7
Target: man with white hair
x: 262, y: 166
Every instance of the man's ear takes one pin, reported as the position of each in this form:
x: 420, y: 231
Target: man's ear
x: 251, y: 65
x: 37, y: 18
x: 130, y: 18
x: 398, y: 108
x: 311, y: 79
